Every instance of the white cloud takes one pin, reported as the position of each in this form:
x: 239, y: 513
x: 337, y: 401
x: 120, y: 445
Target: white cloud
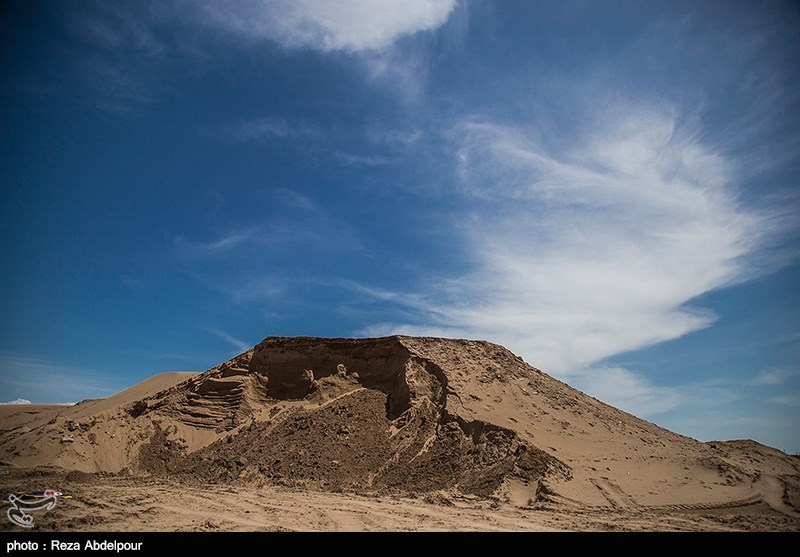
x: 227, y: 243
x: 394, y: 137
x: 262, y: 287
x: 786, y: 400
x: 403, y: 70
x: 167, y: 37
x: 17, y: 401
x: 777, y: 376
x: 349, y: 159
x: 628, y: 390
x: 267, y: 128
x: 240, y: 345
x: 637, y: 394
x: 294, y: 199
x: 349, y: 25
x: 597, y: 248
x: 121, y: 25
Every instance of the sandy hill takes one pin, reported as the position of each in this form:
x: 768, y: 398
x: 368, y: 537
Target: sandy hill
x: 397, y: 415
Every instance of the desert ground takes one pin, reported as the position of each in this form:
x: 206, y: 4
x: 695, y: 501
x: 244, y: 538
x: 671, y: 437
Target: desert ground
x: 389, y: 434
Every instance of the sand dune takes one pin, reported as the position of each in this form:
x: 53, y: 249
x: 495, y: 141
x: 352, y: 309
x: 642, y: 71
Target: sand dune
x: 451, y: 423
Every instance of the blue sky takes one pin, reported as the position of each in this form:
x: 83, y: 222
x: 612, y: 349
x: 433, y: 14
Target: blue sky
x: 609, y: 189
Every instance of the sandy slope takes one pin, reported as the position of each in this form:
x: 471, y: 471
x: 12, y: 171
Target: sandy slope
x: 104, y: 435
x: 417, y: 426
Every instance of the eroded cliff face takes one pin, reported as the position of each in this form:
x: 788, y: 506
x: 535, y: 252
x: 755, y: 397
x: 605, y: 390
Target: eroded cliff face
x: 352, y: 414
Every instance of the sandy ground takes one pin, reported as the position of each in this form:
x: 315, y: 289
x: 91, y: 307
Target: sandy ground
x: 117, y: 504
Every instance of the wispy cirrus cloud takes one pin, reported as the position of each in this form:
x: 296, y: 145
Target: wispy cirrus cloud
x: 586, y: 250
x: 296, y: 200
x: 348, y: 25
x: 222, y: 245
x: 345, y: 25
x: 627, y: 389
x: 270, y: 128
x: 778, y: 376
x: 259, y: 287
x: 642, y: 397
x: 372, y: 31
x: 121, y: 25
x: 787, y: 400
x: 392, y: 137
x: 386, y: 145
x: 239, y: 345
x: 583, y: 252
x: 127, y: 52
x: 136, y: 51
x: 261, y: 260
x: 308, y: 228
x: 351, y: 159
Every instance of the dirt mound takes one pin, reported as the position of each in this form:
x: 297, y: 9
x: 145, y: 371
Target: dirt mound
x: 350, y: 443
x: 398, y: 415
x: 345, y: 415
